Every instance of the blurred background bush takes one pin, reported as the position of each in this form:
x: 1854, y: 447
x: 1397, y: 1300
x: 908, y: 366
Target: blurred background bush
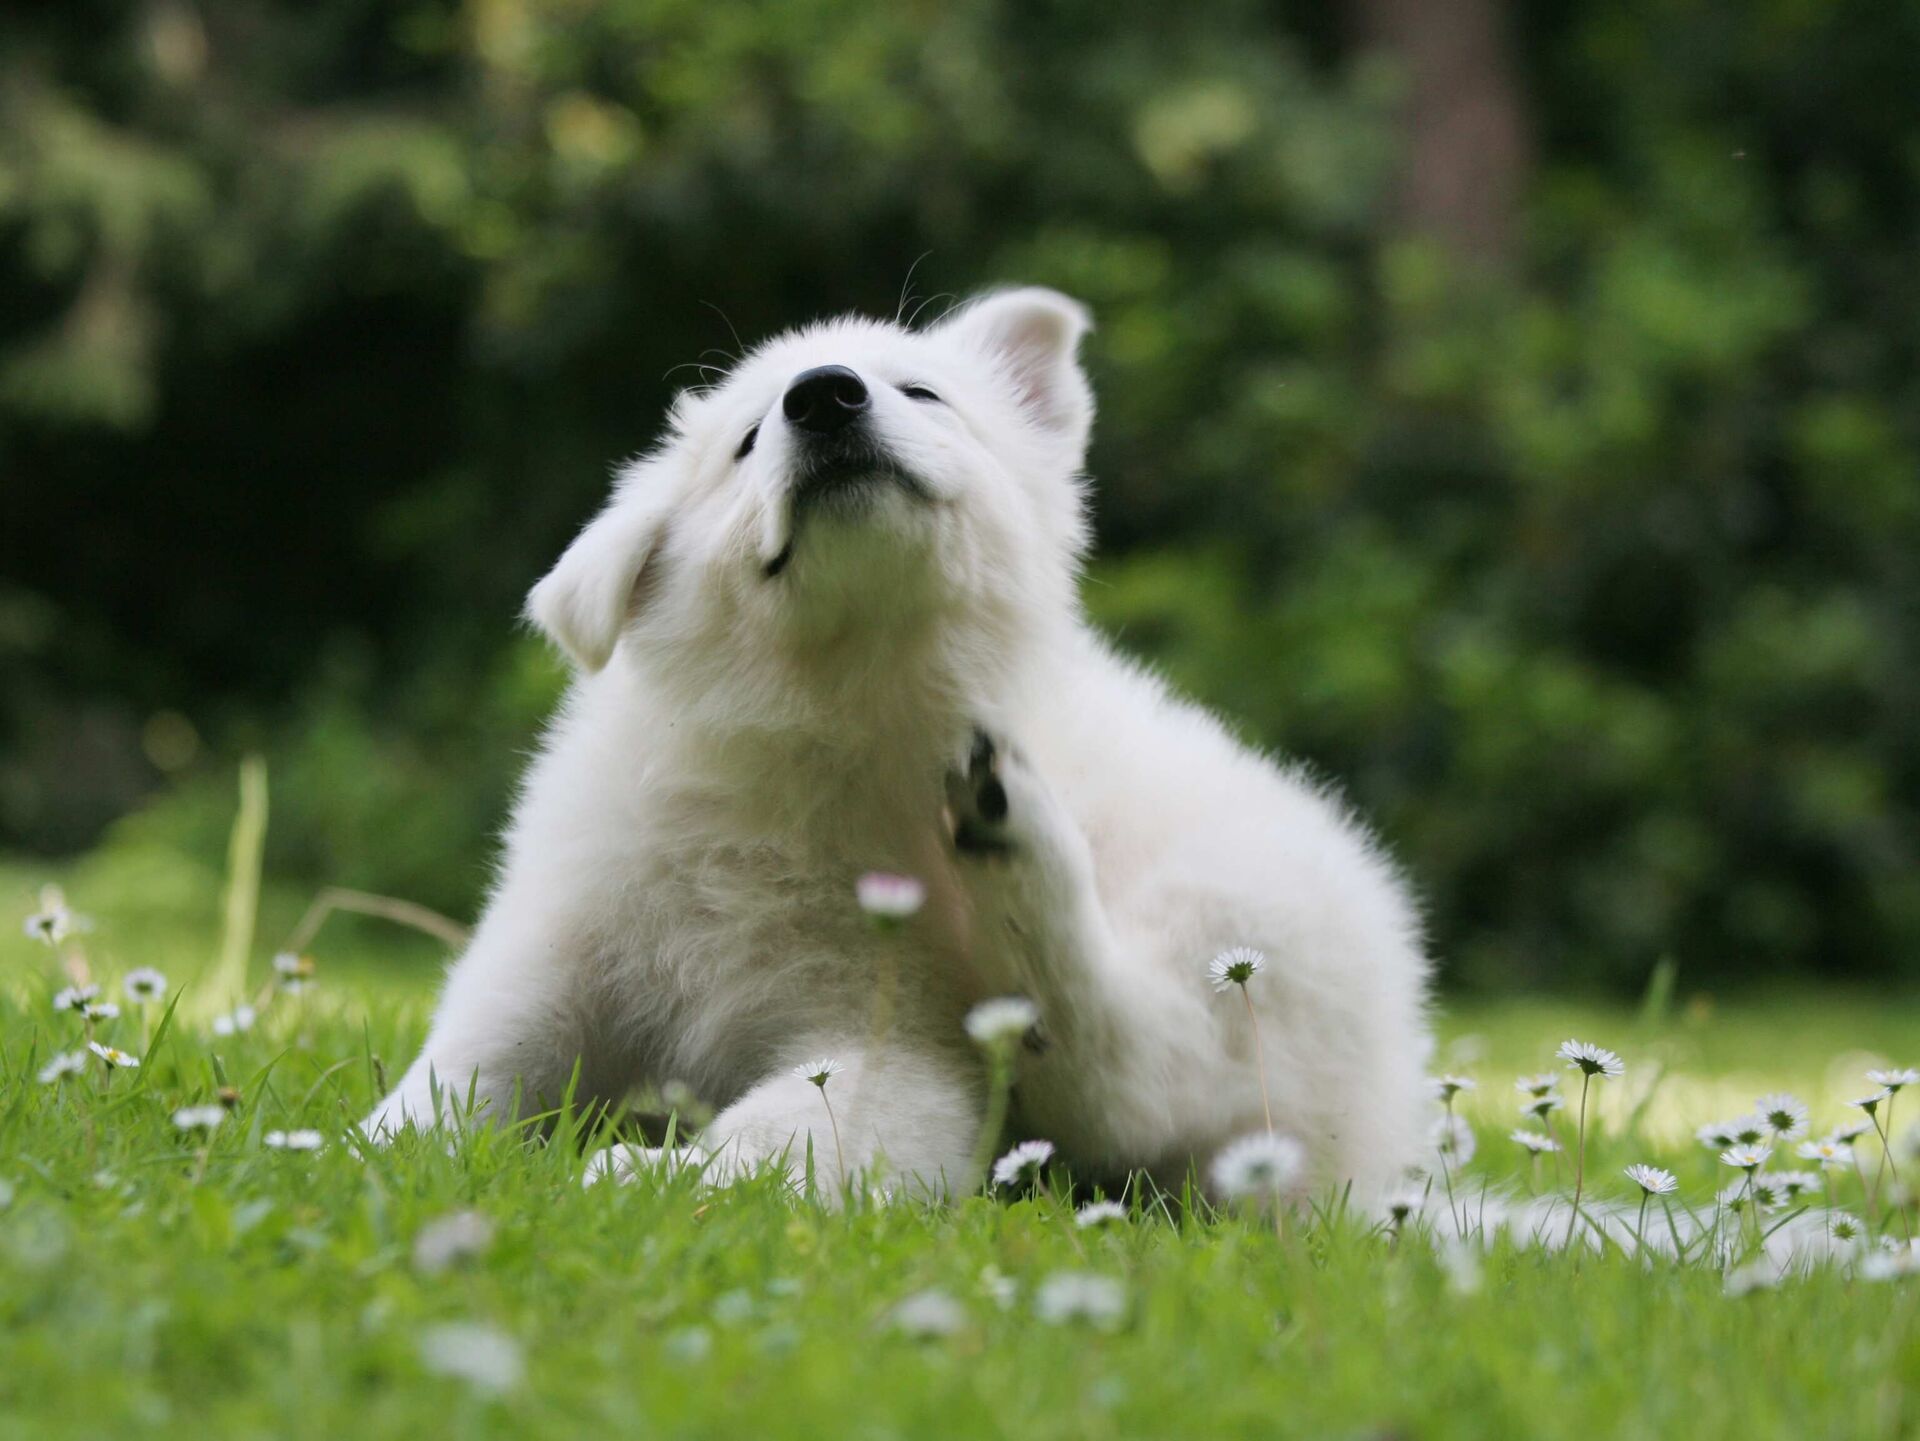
x: 1513, y: 410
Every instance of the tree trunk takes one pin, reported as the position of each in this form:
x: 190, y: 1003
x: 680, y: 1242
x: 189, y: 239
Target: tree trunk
x: 1467, y: 147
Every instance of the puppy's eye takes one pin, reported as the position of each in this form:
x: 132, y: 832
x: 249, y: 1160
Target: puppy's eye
x: 918, y: 392
x: 746, y: 445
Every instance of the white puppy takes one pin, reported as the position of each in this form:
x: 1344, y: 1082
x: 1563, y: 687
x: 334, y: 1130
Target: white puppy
x: 830, y: 626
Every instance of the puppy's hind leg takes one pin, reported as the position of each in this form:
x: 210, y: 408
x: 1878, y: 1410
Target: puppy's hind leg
x: 902, y: 1116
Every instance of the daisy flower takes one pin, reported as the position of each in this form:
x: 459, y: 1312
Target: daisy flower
x: 484, y: 1357
x: 887, y: 897
x: 198, y: 1118
x: 144, y: 985
x: 1849, y: 1133
x: 1537, y: 1086
x: 1717, y: 1135
x: 818, y: 1073
x: 49, y: 925
x: 1828, y: 1152
x: 1534, y: 1142
x: 58, y: 1068
x: 1591, y: 1060
x: 293, y: 972
x: 1652, y: 1180
x: 1733, y: 1198
x: 1023, y: 1163
x: 1795, y: 1184
x: 1542, y: 1105
x: 116, y: 1059
x: 1454, y: 1140
x: 100, y: 1011
x: 74, y: 998
x: 1235, y: 967
x: 1404, y: 1202
x: 1845, y: 1228
x: 1746, y: 1158
x: 1068, y: 1296
x: 292, y: 1140
x: 1445, y: 1088
x: 1895, y: 1080
x: 1870, y: 1104
x: 1099, y: 1213
x: 1785, y: 1117
x: 450, y: 1239
x: 1767, y: 1192
x: 1262, y: 1164
x: 1002, y: 1020
x: 928, y: 1314
x: 240, y: 1018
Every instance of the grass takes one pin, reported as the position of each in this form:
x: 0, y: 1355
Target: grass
x: 153, y: 1283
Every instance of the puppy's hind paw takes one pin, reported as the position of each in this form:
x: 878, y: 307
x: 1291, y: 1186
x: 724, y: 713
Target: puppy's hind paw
x: 977, y: 809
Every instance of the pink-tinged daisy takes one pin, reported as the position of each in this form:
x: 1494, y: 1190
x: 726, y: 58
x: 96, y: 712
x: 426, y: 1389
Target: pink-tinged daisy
x: 889, y: 897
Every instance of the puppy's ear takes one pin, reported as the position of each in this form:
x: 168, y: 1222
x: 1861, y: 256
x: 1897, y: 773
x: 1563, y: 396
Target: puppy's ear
x: 591, y: 593
x: 1034, y: 334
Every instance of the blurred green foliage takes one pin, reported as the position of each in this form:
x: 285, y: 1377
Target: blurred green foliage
x: 1592, y: 578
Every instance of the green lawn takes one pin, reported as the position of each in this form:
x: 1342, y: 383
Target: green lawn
x: 153, y: 1284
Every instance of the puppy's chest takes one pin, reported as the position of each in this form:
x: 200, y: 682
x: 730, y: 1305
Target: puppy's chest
x: 776, y: 922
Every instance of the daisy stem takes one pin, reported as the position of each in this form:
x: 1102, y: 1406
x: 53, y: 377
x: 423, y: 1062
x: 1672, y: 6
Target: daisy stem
x: 1640, y: 1226
x: 999, y: 1084
x: 1886, y: 1157
x: 839, y: 1157
x: 1579, y: 1158
x: 1867, y: 1193
x: 1446, y: 1171
x: 1259, y: 1057
x: 1679, y: 1251
x: 1553, y: 1134
x: 1880, y: 1169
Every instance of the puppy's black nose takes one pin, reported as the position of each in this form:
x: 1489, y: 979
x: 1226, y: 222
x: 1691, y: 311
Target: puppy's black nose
x: 825, y: 400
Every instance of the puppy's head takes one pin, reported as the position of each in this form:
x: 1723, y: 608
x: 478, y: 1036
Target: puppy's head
x: 851, y: 493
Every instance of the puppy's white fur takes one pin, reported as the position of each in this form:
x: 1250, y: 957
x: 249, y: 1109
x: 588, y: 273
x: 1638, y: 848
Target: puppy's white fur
x: 771, y: 700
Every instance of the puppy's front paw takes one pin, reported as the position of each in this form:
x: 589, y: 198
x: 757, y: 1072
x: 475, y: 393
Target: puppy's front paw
x: 978, y: 814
